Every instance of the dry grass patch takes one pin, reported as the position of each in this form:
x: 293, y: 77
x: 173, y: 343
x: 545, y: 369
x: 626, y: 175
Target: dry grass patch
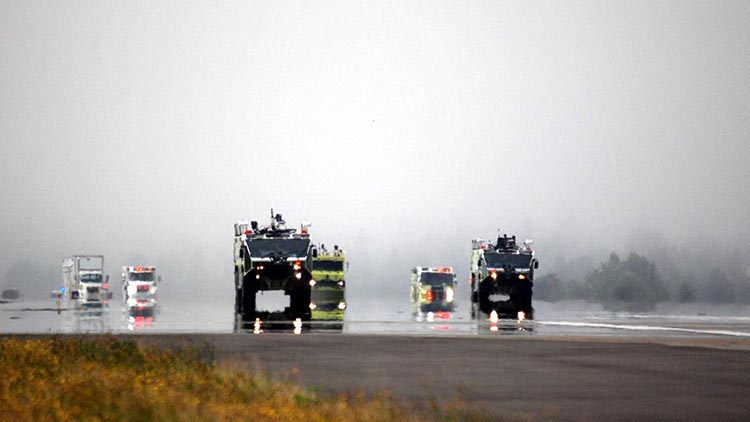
x: 107, y: 379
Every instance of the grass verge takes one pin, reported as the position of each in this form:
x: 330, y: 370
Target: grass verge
x: 107, y: 379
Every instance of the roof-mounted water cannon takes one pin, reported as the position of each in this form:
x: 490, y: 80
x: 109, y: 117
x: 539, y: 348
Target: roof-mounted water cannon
x: 505, y: 243
x: 527, y: 244
x: 478, y: 243
x: 277, y: 221
x: 304, y: 226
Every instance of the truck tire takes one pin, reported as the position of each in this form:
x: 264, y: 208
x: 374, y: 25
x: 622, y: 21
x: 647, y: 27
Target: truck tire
x: 483, y: 296
x: 238, y: 292
x: 299, y: 304
x: 248, y: 302
x: 237, y: 301
x: 523, y: 299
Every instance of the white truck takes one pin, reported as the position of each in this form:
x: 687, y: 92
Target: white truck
x: 84, y: 279
x: 139, y: 282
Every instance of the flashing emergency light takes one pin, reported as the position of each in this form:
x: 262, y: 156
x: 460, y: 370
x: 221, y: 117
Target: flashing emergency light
x: 493, y: 317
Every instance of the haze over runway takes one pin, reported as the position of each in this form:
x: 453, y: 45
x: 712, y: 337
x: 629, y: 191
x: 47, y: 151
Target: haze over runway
x: 401, y: 130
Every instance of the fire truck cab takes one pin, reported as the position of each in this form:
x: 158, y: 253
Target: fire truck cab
x: 433, y: 290
x: 271, y: 258
x: 139, y: 282
x: 502, y: 277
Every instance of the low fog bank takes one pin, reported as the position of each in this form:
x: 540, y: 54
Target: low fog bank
x: 143, y: 131
x: 644, y: 269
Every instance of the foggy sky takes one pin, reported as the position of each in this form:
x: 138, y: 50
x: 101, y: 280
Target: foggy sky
x: 401, y: 130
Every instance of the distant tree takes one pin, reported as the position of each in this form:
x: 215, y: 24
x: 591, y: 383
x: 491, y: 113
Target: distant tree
x: 719, y: 288
x: 30, y: 279
x: 685, y: 292
x: 549, y: 288
x: 632, y: 281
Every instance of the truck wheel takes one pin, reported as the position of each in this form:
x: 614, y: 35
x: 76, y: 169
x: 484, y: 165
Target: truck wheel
x: 248, y: 302
x: 523, y: 298
x: 483, y: 297
x: 238, y: 291
x: 299, y: 304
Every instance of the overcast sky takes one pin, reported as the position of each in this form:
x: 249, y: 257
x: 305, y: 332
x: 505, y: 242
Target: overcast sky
x: 400, y: 129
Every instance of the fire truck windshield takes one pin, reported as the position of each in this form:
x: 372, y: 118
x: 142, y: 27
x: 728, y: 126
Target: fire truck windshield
x: 91, y: 278
x: 499, y: 260
x: 144, y: 276
x: 328, y: 265
x: 436, y: 279
x: 280, y: 248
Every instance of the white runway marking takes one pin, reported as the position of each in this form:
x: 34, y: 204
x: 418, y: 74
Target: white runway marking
x: 643, y: 328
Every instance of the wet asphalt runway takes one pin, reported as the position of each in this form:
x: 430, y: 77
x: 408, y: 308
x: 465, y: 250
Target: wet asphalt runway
x: 573, y: 363
x: 519, y: 377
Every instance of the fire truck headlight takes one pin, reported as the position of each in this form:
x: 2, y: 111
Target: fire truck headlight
x: 341, y: 283
x: 313, y: 306
x: 298, y: 276
x: 342, y: 305
x: 312, y: 283
x: 449, y: 294
x: 494, y: 275
x: 521, y: 277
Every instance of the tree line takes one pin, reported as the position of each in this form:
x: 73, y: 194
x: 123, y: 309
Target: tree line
x: 639, y: 283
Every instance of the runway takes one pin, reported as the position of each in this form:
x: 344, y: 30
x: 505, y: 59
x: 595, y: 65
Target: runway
x: 579, y: 378
x: 574, y: 361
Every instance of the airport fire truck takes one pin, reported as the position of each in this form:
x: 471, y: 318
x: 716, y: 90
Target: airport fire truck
x: 433, y: 290
x: 328, y: 296
x: 139, y: 285
x: 272, y: 258
x: 83, y: 279
x: 139, y: 282
x: 502, y: 277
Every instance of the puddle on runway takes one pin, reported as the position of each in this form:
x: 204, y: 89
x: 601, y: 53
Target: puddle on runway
x: 574, y: 319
